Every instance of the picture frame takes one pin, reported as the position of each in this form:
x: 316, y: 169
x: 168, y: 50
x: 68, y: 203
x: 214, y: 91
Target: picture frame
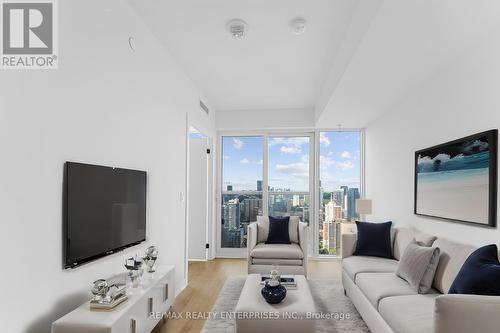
x: 457, y: 180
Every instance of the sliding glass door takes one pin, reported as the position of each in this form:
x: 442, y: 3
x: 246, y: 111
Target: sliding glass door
x: 241, y: 199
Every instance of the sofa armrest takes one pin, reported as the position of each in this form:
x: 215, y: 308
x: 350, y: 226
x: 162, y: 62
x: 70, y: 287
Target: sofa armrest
x: 348, y: 244
x: 466, y: 313
x: 251, y: 237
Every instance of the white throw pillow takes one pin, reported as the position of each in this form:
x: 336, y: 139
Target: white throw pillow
x: 418, y: 265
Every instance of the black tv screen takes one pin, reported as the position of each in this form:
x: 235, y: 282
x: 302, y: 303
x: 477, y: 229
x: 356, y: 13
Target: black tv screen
x: 105, y: 211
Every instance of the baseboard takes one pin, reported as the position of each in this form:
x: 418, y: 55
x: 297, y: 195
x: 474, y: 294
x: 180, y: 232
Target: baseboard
x: 182, y: 285
x: 197, y: 259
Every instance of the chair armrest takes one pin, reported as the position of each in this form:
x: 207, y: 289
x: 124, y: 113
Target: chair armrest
x: 348, y: 244
x: 303, y: 237
x: 459, y: 313
x: 251, y: 237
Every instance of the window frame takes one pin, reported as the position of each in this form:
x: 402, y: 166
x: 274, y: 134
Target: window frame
x: 314, y: 153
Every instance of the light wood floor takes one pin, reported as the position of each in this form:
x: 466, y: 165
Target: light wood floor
x: 206, y: 278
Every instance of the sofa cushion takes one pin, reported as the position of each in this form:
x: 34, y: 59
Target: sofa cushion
x: 374, y: 239
x: 376, y: 286
x: 277, y: 251
x: 453, y: 256
x: 404, y: 236
x: 263, y: 228
x: 480, y: 274
x: 279, y: 262
x: 360, y: 264
x: 409, y: 314
x: 418, y: 265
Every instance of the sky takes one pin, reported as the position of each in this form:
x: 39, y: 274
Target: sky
x: 289, y: 161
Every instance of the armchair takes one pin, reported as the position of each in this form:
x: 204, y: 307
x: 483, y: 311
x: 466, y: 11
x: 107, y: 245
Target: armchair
x: 290, y: 258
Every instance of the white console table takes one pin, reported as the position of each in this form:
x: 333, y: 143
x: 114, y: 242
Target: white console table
x: 139, y: 314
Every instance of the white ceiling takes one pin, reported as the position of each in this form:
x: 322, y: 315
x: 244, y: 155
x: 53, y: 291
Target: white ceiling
x: 356, y: 59
x: 269, y: 69
x: 407, y: 42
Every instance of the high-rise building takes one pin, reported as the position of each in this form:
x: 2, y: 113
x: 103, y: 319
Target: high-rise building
x: 259, y: 185
x: 233, y: 214
x: 250, y: 208
x: 296, y: 200
x: 229, y: 187
x: 352, y: 195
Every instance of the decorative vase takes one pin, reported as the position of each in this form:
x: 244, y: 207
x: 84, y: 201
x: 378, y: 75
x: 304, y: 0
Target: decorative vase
x: 273, y: 294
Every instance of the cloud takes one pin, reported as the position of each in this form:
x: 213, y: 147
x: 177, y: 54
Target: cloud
x: 346, y: 165
x: 245, y: 161
x: 260, y: 162
x: 345, y: 154
x: 323, y: 139
x: 225, y: 157
x: 290, y: 150
x: 299, y: 169
x: 237, y: 143
x: 291, y: 145
x: 325, y: 162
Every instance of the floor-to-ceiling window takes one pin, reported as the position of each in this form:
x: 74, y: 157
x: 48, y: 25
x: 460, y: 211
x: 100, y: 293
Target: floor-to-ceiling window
x: 274, y: 174
x: 340, y: 167
x: 289, y: 175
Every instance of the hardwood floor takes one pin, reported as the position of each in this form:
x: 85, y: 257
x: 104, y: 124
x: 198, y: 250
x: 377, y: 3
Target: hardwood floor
x: 206, y: 278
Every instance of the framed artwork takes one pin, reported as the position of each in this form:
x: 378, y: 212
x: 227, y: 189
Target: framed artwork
x: 457, y: 180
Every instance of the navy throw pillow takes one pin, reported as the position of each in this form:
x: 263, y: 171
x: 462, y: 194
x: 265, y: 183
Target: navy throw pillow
x: 278, y: 230
x: 374, y: 239
x: 480, y: 273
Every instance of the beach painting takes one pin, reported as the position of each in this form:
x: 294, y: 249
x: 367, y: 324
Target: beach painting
x: 457, y: 180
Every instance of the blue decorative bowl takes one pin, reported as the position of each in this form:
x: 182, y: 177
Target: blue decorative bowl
x: 273, y: 295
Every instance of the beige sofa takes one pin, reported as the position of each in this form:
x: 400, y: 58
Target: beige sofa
x: 388, y: 304
x: 290, y: 258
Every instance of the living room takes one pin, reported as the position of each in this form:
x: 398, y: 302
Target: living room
x: 324, y: 128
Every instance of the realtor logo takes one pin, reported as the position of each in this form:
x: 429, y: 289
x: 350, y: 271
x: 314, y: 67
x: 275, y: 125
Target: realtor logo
x: 29, y: 38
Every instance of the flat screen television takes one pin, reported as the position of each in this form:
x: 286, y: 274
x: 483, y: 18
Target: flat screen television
x: 104, y: 211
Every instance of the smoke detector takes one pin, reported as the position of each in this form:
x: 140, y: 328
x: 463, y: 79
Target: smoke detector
x: 298, y: 25
x: 237, y: 28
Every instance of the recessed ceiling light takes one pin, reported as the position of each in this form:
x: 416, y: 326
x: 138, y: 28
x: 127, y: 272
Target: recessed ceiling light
x: 298, y: 25
x: 237, y: 28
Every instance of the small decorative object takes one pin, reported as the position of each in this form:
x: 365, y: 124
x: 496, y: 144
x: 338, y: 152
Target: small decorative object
x: 273, y: 292
x: 150, y: 258
x: 457, y: 180
x: 134, y: 271
x: 106, y: 296
x: 99, y: 289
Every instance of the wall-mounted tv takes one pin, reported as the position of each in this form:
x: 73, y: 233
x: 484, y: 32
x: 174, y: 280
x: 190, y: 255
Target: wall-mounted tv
x: 104, y: 211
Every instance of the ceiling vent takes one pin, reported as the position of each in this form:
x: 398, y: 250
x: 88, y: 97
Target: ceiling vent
x: 204, y: 107
x: 237, y: 28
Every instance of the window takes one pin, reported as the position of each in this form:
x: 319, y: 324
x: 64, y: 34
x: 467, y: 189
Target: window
x: 288, y: 190
x: 241, y: 199
x: 339, y: 186
x: 274, y: 174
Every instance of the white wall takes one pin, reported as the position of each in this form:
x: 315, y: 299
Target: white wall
x: 104, y: 105
x: 460, y: 99
x: 264, y: 119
